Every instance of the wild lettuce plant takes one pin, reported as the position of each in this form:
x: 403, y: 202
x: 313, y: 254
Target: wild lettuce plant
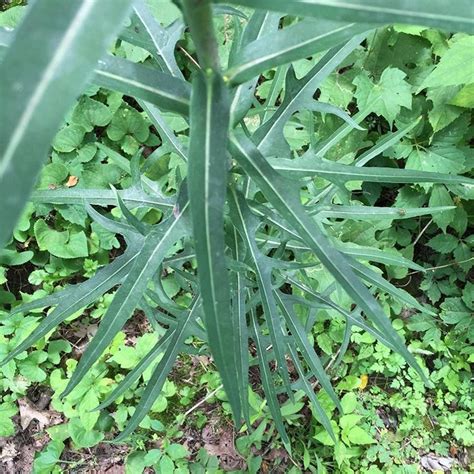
x: 240, y: 212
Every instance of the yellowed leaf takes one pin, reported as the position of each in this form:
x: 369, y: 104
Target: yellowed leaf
x: 364, y: 380
x: 72, y: 181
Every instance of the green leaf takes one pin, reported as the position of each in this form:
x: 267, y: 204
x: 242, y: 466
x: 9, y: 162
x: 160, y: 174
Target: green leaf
x: 33, y: 79
x: 443, y: 243
x: 86, y: 415
x: 52, y: 175
x: 207, y: 182
x: 177, y: 451
x: 441, y: 197
x: 69, y: 138
x: 145, y: 83
x: 48, y: 458
x: 82, y: 437
x: 268, y: 383
x: 310, y: 165
x: 155, y: 384
x: 13, y: 258
x: 349, y: 402
x: 247, y: 225
x: 465, y: 97
x: 7, y: 410
x: 163, y: 42
x: 132, y: 197
x: 385, y: 97
x: 304, y: 39
x: 12, y: 17
x: 442, y: 113
x: 285, y: 198
x: 452, y: 69
x: 299, y: 95
x: 30, y: 368
x: 359, y: 436
x: 437, y: 159
x: 348, y: 421
x: 65, y: 244
x: 128, y: 121
x: 138, y: 370
x: 90, y: 113
x: 155, y: 247
x: 435, y: 13
x: 72, y: 299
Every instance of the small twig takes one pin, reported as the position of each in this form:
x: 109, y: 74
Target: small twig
x: 204, y: 400
x: 441, y: 266
x: 405, y: 284
x: 189, y: 57
x: 422, y: 232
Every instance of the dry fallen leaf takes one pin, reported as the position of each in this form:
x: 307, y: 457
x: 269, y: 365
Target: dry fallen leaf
x: 220, y: 442
x: 433, y: 463
x: 72, y: 181
x: 9, y: 452
x: 28, y: 413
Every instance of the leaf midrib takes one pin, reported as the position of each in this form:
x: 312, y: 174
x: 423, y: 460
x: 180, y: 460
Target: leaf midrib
x: 42, y: 86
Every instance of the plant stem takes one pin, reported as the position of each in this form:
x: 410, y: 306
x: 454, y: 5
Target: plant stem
x: 198, y: 14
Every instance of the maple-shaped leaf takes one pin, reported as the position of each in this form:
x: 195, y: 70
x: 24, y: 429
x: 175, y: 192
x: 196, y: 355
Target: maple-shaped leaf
x: 386, y: 97
x: 455, y: 67
x: 437, y: 159
x: 442, y: 112
x: 465, y: 97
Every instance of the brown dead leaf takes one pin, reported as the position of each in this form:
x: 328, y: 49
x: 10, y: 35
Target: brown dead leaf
x: 28, y: 413
x: 9, y: 452
x: 72, y: 181
x: 219, y: 441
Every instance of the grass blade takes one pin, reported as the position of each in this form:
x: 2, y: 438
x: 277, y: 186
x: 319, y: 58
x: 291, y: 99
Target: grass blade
x: 323, y: 418
x: 155, y: 384
x: 138, y: 370
x: 366, y: 213
x: 260, y: 24
x: 132, y: 197
x: 166, y: 134
x: 267, y: 382
x: 247, y: 225
x: 432, y: 13
x: 309, y: 165
x: 159, y: 88
x: 207, y: 183
x: 241, y: 330
x: 34, y: 77
x: 285, y: 198
x: 312, y: 359
x: 127, y: 298
x: 163, y: 42
x: 304, y: 39
x: 74, y: 298
x: 298, y: 94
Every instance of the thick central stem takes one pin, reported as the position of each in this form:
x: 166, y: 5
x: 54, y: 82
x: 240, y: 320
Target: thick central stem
x: 198, y: 14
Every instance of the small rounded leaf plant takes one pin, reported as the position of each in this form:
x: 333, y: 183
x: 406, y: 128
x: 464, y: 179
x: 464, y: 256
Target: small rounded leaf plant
x: 257, y: 215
